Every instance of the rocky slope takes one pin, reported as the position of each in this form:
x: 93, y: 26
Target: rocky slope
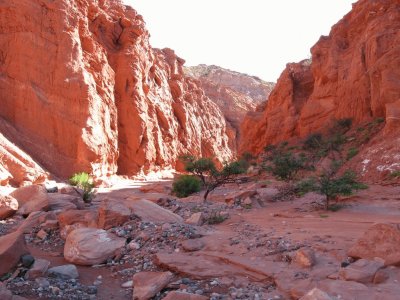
x: 235, y: 93
x: 354, y: 73
x: 83, y: 90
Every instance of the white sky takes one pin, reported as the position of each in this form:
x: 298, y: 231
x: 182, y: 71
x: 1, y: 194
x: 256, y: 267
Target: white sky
x: 257, y: 37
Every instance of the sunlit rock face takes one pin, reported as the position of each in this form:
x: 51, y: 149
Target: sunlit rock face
x: 354, y: 73
x: 84, y: 91
x: 235, y: 93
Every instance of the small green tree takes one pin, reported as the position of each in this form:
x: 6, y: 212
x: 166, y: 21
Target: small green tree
x: 186, y: 185
x: 83, y: 181
x: 210, y: 176
x: 331, y: 185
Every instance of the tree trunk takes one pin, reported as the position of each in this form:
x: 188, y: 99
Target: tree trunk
x: 206, y: 195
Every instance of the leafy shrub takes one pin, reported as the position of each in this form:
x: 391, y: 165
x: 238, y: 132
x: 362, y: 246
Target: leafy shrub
x: 395, y: 174
x: 186, y: 185
x: 215, y: 218
x: 313, y: 141
x: 284, y: 164
x: 305, y: 186
x: 343, y: 124
x: 83, y: 181
x: 351, y: 153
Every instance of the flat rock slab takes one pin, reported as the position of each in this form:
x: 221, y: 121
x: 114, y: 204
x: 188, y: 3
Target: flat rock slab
x: 202, y: 265
x: 380, y: 240
x: 150, y: 212
x: 147, y: 284
x: 90, y: 246
x: 12, y: 247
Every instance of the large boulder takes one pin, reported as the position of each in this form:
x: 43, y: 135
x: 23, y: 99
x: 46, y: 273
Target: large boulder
x: 12, y: 247
x: 90, y: 246
x: 113, y: 213
x: 380, y: 240
x: 31, y: 198
x: 147, y: 284
x: 8, y: 206
x: 151, y: 212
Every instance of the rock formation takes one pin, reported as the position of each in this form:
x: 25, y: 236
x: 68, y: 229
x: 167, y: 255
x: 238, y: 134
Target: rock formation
x: 83, y: 90
x: 354, y: 73
x: 235, y: 93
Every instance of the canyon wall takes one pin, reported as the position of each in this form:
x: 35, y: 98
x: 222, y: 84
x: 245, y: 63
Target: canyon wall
x: 83, y: 90
x: 235, y: 93
x: 354, y: 73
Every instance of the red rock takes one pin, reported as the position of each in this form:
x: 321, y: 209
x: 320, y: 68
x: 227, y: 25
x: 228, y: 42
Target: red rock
x: 196, y: 219
x: 12, y: 247
x: 38, y: 269
x: 234, y: 93
x: 151, y: 212
x: 62, y: 202
x: 8, y: 206
x: 72, y: 219
x: 380, y: 240
x: 31, y: 198
x: 193, y: 245
x: 90, y: 246
x: 362, y: 270
x: 147, y: 284
x: 305, y: 257
x: 113, y: 213
x: 183, y: 296
x: 96, y: 106
x: 17, y: 167
x: 351, y: 75
x: 316, y: 294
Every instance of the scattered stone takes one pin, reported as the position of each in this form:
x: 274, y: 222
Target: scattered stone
x: 362, y: 270
x: 41, y: 234
x: 148, y: 284
x: 64, y: 272
x: 380, y: 240
x: 8, y: 206
x: 42, y: 282
x: 305, y: 257
x: 5, y: 294
x: 32, y: 221
x: 247, y: 201
x: 381, y: 276
x: 49, y: 225
x: 267, y: 194
x: 31, y: 198
x: 196, y: 219
x: 38, y: 269
x: 150, y: 212
x: 174, y: 295
x: 193, y: 245
x: 90, y: 246
x: 27, y: 260
x: 127, y: 284
x: 316, y: 294
x: 113, y: 213
x: 12, y: 247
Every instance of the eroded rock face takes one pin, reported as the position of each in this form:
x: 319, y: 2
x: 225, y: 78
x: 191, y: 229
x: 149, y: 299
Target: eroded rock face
x: 105, y: 99
x: 354, y: 73
x: 235, y: 93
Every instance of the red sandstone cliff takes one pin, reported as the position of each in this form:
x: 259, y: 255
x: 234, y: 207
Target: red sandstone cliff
x: 83, y: 90
x: 235, y: 93
x: 355, y: 73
